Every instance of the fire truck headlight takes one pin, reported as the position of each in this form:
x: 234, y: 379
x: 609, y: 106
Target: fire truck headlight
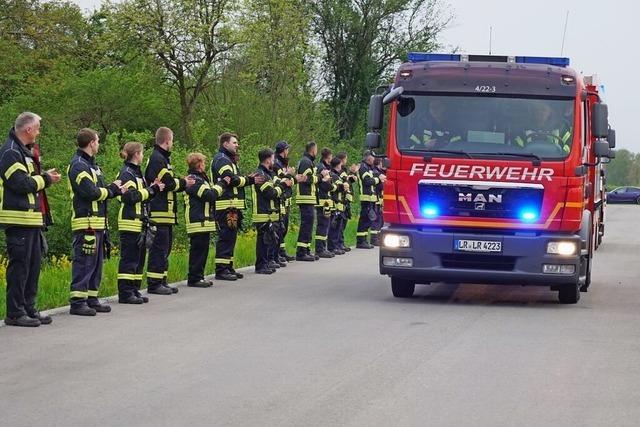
x: 562, y: 248
x: 396, y: 241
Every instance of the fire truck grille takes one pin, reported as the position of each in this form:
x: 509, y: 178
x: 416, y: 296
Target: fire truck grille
x: 478, y: 262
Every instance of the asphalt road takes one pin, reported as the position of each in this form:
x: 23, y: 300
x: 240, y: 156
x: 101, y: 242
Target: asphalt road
x: 327, y: 344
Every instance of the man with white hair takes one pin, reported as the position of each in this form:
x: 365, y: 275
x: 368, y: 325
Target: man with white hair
x: 23, y: 220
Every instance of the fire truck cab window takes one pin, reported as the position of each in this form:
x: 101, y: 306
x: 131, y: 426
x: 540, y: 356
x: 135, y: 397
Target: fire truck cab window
x: 486, y: 124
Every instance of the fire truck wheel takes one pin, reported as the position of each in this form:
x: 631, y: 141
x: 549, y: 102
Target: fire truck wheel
x: 638, y: 201
x: 569, y: 293
x: 402, y: 288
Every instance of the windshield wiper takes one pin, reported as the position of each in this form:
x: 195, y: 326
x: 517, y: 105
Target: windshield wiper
x: 428, y: 157
x: 535, y: 159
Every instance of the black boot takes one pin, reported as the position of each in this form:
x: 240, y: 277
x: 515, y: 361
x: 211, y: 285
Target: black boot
x: 226, y: 275
x: 24, y: 321
x: 101, y: 308
x: 82, y: 310
x: 159, y: 290
x: 264, y: 270
x: 130, y: 299
x: 305, y: 257
x: 200, y: 284
x: 44, y: 320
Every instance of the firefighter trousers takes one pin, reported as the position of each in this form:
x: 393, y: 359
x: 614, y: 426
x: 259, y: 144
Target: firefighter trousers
x: 86, y: 267
x: 24, y: 247
x: 131, y: 265
x: 364, y: 221
x: 263, y: 249
x: 282, y: 247
x: 226, y: 244
x: 335, y: 231
x: 377, y: 224
x: 322, y: 229
x: 307, y: 219
x: 159, y: 256
x: 198, y: 254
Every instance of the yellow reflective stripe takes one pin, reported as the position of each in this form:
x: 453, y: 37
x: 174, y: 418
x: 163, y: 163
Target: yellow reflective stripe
x: 321, y: 237
x: 144, y: 193
x: 222, y: 261
x: 162, y: 214
x: 92, y: 293
x: 225, y: 168
x: 177, y: 181
x: 78, y: 294
x: 21, y: 218
x: 104, y: 193
x: 165, y: 221
x: 153, y: 275
x: 15, y: 167
x: 134, y: 225
x: 163, y: 172
x: 87, y: 222
x: 303, y: 245
x: 40, y: 182
x: 278, y: 191
x: 218, y: 189
x: 201, y: 227
x: 362, y: 233
x: 368, y: 198
x: 202, y: 189
x: 265, y: 185
x: 243, y: 181
x: 367, y: 173
x: 375, y: 231
x: 82, y: 175
x: 232, y: 203
x: 260, y: 218
x: 125, y: 276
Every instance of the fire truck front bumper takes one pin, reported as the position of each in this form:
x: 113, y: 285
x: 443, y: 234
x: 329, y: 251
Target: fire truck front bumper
x: 436, y: 255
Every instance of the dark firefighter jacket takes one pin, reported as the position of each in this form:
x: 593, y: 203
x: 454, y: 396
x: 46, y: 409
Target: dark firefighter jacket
x: 265, y: 197
x: 199, y: 202
x: 163, y: 207
x: 224, y: 165
x: 134, y: 209
x: 306, y: 191
x: 19, y: 185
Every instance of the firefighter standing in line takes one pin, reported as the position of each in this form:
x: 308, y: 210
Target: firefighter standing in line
x: 338, y: 215
x: 324, y: 205
x: 89, y: 195
x: 377, y: 224
x: 306, y: 200
x: 349, y: 176
x: 282, y: 170
x: 230, y: 204
x: 133, y: 223
x: 162, y: 211
x: 199, y: 202
x: 23, y: 220
x: 266, y: 213
x: 368, y: 199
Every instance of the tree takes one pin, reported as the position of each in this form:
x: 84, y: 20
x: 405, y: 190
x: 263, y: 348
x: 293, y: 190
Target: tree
x: 186, y: 37
x: 361, y: 40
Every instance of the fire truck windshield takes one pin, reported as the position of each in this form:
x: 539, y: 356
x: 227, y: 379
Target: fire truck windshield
x: 485, y: 125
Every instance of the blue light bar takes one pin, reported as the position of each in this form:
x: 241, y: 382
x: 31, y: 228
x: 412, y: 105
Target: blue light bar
x: 430, y: 211
x: 435, y: 57
x: 544, y: 60
x: 428, y: 57
x: 527, y: 215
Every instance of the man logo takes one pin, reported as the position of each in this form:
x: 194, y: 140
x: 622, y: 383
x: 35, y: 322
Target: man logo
x: 480, y: 198
x: 480, y: 206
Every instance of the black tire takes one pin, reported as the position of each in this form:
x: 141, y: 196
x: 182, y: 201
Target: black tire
x: 569, y: 294
x: 638, y: 201
x: 402, y: 288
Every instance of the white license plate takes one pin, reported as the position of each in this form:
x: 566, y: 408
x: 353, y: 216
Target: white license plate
x: 478, y: 246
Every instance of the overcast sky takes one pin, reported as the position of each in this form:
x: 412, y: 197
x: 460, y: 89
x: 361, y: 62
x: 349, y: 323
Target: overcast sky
x: 602, y: 38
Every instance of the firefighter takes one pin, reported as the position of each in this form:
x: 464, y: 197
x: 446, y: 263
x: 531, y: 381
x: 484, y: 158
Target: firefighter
x: 544, y: 128
x: 349, y: 176
x: 162, y: 211
x: 282, y: 170
x: 133, y: 223
x: 89, y: 195
x: 436, y: 133
x: 376, y: 226
x: 266, y: 212
x: 338, y: 214
x: 230, y: 204
x: 306, y: 200
x: 324, y: 205
x: 199, y: 202
x: 23, y: 220
x: 367, y: 183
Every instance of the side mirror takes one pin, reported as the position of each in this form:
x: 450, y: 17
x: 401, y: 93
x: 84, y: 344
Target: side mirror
x: 612, y: 138
x: 376, y: 112
x: 612, y: 154
x: 373, y: 140
x: 386, y: 162
x: 393, y: 95
x: 601, y: 149
x: 600, y: 120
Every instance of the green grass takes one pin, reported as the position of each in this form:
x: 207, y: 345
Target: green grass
x: 55, y: 277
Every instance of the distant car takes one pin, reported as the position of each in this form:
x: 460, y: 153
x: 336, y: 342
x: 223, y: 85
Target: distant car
x: 624, y: 195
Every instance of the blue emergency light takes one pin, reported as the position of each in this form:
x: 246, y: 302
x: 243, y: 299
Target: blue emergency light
x: 542, y: 60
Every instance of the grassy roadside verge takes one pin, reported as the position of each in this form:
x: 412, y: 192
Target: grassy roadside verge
x: 56, y: 274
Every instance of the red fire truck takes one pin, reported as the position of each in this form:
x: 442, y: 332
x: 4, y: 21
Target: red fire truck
x: 495, y: 172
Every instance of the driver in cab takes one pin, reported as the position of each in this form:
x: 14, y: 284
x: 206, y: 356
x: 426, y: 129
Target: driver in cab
x: 545, y: 129
x: 436, y: 133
